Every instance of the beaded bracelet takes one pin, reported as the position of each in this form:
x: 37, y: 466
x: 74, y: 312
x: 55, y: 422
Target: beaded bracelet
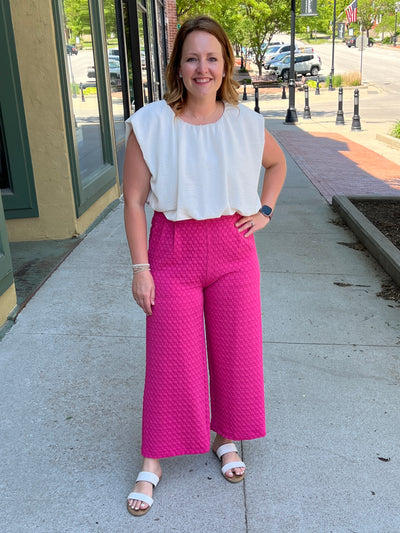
x: 140, y: 267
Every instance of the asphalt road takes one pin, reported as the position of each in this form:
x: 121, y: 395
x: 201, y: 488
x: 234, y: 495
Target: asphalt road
x: 80, y: 64
x: 380, y: 66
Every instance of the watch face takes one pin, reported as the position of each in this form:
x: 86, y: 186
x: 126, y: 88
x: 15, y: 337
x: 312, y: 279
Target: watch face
x: 266, y: 210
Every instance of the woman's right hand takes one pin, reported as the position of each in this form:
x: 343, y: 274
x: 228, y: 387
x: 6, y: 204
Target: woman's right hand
x: 143, y: 290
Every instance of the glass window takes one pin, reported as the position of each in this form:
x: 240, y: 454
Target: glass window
x: 162, y: 45
x: 16, y: 172
x: 115, y: 65
x: 144, y: 55
x: 83, y: 80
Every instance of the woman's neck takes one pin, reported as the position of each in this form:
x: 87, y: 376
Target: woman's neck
x: 202, y: 112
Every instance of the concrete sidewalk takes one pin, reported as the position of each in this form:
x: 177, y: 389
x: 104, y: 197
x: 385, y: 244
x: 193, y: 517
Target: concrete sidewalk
x: 72, y: 370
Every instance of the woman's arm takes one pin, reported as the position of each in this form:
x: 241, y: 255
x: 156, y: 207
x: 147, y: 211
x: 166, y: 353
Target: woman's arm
x: 136, y: 186
x: 274, y: 163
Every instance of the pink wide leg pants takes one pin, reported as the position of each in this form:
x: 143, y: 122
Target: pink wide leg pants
x: 206, y: 273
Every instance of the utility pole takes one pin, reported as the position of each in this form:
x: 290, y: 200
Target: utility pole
x: 333, y: 47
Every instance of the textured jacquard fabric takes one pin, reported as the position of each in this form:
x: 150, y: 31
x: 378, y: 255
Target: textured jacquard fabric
x: 201, y: 171
x: 206, y: 273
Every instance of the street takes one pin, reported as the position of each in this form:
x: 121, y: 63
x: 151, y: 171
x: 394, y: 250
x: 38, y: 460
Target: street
x: 379, y: 101
x: 380, y: 66
x: 80, y: 64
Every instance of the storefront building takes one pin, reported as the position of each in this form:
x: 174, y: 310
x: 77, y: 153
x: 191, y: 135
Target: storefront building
x: 65, y: 92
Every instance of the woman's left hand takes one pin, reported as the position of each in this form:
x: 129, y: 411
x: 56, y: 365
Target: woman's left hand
x: 251, y: 224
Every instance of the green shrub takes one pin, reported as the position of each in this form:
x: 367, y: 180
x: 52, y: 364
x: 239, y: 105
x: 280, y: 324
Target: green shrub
x: 396, y: 130
x: 336, y: 81
x: 90, y: 90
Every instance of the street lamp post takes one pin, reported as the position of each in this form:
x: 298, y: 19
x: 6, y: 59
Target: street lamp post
x: 333, y: 47
x: 291, y: 114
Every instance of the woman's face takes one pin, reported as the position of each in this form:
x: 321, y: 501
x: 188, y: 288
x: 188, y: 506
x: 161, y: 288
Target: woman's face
x: 202, y: 65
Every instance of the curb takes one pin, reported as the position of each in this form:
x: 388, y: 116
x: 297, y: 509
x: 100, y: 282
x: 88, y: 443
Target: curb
x: 380, y: 247
x: 391, y: 141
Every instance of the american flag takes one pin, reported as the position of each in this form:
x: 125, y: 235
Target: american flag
x: 351, y: 12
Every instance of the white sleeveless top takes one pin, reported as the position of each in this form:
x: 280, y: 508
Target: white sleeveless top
x: 200, y: 171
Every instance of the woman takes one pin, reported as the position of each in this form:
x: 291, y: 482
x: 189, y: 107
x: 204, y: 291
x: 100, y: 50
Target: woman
x: 195, y: 158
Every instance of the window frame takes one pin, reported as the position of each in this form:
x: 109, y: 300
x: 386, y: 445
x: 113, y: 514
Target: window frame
x: 19, y: 200
x: 103, y: 179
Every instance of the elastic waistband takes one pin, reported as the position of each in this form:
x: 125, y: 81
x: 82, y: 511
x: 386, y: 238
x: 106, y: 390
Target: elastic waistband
x: 225, y: 219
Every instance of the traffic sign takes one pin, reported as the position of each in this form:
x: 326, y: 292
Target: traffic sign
x: 361, y: 42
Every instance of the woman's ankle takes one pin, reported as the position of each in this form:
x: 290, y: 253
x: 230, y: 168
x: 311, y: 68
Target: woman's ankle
x: 151, y: 465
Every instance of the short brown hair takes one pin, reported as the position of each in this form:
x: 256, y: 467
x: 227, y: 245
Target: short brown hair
x: 176, y: 92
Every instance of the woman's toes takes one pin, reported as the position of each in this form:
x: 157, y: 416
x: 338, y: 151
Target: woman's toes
x: 137, y: 505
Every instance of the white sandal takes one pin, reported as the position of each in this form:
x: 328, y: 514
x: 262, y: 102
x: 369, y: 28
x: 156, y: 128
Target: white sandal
x: 227, y: 448
x: 150, y: 478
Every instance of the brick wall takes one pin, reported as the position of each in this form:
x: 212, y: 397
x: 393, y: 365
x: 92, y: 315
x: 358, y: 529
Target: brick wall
x: 171, y: 21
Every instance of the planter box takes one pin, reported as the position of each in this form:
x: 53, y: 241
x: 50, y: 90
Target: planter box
x: 380, y: 247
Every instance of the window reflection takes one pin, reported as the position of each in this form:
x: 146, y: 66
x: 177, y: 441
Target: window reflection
x: 115, y: 83
x: 83, y: 80
x: 162, y: 44
x: 116, y: 88
x: 143, y: 61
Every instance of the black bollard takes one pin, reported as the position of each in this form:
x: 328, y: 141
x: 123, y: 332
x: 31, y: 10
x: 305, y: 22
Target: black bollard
x: 317, y: 87
x: 356, y: 124
x: 244, y: 91
x: 257, y: 107
x: 82, y: 95
x: 330, y: 88
x: 283, y: 92
x: 340, y: 115
x: 307, y: 112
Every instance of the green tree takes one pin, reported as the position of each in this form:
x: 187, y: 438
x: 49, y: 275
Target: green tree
x: 77, y: 18
x: 387, y: 18
x: 109, y: 17
x: 323, y: 22
x: 190, y: 8
x: 367, y: 13
x: 264, y: 18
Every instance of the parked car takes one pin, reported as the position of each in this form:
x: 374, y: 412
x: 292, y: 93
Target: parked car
x: 279, y: 57
x: 272, y: 43
x: 303, y: 64
x: 114, y: 70
x: 352, y: 41
x: 113, y: 54
x: 273, y: 51
x: 72, y: 50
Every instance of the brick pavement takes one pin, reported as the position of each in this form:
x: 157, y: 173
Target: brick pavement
x: 338, y: 166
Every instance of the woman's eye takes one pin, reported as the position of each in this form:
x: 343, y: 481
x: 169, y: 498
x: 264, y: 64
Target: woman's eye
x: 191, y: 59
x: 213, y: 59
